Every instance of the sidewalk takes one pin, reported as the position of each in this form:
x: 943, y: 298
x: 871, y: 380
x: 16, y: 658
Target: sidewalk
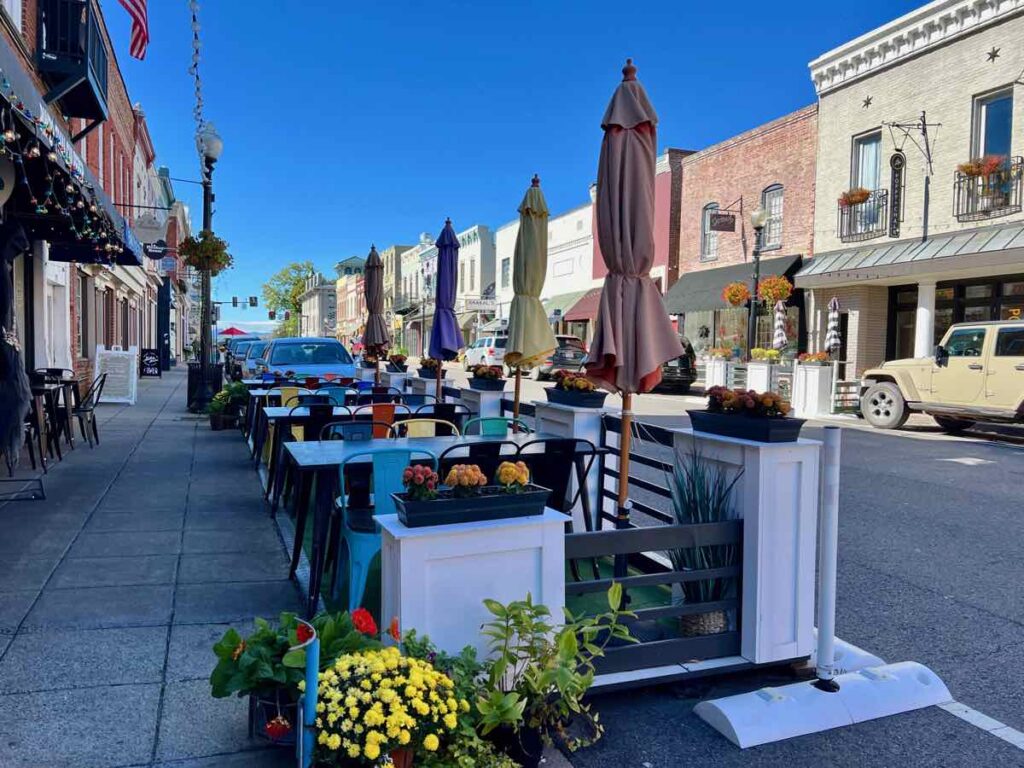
x: 113, y: 590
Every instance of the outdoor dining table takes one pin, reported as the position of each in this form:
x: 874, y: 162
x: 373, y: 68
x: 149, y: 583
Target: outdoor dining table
x: 318, y: 462
x: 51, y: 424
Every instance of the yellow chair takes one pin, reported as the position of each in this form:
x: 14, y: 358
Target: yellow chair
x: 286, y: 394
x: 421, y: 427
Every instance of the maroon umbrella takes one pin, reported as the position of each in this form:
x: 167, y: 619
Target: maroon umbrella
x: 633, y: 333
x: 376, y: 337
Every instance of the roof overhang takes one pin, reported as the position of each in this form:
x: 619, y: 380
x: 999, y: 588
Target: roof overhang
x: 701, y: 291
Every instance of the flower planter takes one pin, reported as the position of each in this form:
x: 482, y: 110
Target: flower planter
x: 487, y: 385
x: 430, y: 373
x: 525, y: 746
x: 760, y: 430
x: 492, y: 504
x: 396, y: 368
x: 264, y: 707
x: 216, y: 421
x: 576, y: 399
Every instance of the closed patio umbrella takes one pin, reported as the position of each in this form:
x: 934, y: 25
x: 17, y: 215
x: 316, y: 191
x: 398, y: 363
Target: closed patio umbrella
x: 446, y: 336
x: 633, y: 334
x: 17, y: 393
x: 376, y: 338
x: 530, y: 338
x: 779, y: 339
x: 832, y: 340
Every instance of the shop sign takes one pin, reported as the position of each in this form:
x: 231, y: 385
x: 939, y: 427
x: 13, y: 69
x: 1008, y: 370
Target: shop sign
x: 722, y: 222
x: 481, y: 305
x: 149, y: 363
x: 897, y: 163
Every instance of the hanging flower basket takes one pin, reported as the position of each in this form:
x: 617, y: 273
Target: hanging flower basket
x: 854, y: 196
x: 736, y: 294
x: 775, y: 288
x: 983, y: 166
x: 207, y: 252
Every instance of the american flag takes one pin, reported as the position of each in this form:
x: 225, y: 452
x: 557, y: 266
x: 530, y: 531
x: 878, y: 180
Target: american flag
x: 140, y: 27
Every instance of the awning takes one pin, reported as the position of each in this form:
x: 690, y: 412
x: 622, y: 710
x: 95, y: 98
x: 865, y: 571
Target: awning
x: 562, y: 303
x: 586, y: 308
x: 984, y: 246
x: 497, y: 324
x: 702, y: 290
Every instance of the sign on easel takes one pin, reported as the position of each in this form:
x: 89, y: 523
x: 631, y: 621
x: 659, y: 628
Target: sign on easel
x: 122, y: 371
x: 149, y: 363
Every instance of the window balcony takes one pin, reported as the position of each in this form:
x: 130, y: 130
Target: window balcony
x: 864, y: 220
x: 988, y: 195
x: 73, y: 59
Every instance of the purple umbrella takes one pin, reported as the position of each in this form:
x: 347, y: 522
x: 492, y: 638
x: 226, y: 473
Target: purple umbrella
x: 446, y: 336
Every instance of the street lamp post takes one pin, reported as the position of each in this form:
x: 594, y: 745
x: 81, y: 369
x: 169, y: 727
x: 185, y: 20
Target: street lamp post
x: 210, y: 146
x: 757, y: 220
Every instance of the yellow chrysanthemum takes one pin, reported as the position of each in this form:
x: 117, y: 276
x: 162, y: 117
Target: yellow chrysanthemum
x: 431, y: 742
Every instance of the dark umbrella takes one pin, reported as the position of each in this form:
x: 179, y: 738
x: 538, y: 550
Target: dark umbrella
x: 17, y: 392
x: 446, y: 336
x: 634, y: 336
x: 376, y: 338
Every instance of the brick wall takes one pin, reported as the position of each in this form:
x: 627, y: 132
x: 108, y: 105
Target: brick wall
x: 779, y: 152
x: 867, y: 306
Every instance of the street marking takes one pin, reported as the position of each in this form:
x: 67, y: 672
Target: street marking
x: 968, y: 461
x: 984, y: 722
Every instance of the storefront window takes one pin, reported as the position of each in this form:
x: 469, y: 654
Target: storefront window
x: 978, y: 291
x: 1012, y: 312
x: 1015, y: 288
x: 944, y: 294
x: 732, y: 330
x: 978, y: 314
x: 905, y: 320
x: 698, y: 328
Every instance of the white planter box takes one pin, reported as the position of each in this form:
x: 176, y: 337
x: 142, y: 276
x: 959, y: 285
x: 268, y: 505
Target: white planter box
x: 365, y: 374
x: 481, y: 403
x: 583, y: 424
x: 777, y: 497
x: 759, y: 376
x: 421, y: 386
x: 435, y: 579
x: 396, y: 380
x: 716, y: 373
x: 812, y: 390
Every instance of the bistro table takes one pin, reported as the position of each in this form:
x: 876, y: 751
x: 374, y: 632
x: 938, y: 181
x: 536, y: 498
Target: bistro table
x: 48, y: 413
x: 318, y: 461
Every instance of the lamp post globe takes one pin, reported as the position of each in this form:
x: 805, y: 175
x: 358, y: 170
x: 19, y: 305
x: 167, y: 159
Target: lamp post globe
x: 758, y: 219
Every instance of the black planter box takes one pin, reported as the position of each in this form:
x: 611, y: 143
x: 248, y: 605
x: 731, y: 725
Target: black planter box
x: 368, y: 366
x: 396, y: 368
x: 577, y: 399
x: 430, y: 373
x: 492, y: 504
x: 760, y: 430
x: 487, y: 385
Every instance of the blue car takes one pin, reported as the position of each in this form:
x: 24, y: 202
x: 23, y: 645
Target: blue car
x: 306, y: 357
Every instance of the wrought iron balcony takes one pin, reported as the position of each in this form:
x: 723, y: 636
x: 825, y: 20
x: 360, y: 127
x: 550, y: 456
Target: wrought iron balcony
x: 73, y: 59
x: 864, y: 220
x: 988, y: 195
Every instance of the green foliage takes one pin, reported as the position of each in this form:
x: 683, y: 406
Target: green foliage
x: 205, y: 252
x: 540, y: 672
x: 219, y: 403
x: 703, y: 493
x: 282, y: 291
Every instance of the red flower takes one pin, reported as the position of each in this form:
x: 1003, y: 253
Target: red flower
x: 304, y: 632
x: 363, y: 621
x: 393, y: 630
x: 277, y: 728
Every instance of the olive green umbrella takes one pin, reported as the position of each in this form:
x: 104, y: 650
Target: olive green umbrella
x: 530, y: 339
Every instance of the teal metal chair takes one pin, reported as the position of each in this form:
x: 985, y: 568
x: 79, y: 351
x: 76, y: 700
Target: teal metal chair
x: 364, y: 541
x: 338, y: 394
x: 494, y: 426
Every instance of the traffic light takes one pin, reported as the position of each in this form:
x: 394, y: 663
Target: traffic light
x: 253, y: 301
x: 287, y: 314
x: 234, y: 301
x: 272, y: 314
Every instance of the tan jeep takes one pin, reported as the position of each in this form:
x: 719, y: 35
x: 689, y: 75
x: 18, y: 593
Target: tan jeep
x: 976, y: 374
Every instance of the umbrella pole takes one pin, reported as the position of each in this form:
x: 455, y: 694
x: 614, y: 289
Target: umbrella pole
x: 622, y: 508
x: 515, y: 400
x: 439, y: 372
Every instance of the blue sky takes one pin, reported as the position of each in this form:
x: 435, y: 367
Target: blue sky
x: 347, y: 124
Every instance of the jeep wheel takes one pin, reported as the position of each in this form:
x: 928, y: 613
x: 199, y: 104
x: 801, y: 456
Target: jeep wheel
x: 884, y: 407
x: 950, y: 424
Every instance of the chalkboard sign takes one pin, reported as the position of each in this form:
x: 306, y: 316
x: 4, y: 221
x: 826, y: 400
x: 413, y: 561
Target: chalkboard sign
x: 149, y: 363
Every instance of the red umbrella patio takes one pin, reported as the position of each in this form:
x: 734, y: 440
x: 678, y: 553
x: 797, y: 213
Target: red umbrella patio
x: 232, y: 331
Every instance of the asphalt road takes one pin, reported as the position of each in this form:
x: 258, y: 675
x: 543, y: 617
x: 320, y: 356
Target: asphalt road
x: 930, y: 570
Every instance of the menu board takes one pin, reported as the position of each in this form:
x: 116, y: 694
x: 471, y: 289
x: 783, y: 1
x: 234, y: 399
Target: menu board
x: 149, y: 363
x: 122, y: 371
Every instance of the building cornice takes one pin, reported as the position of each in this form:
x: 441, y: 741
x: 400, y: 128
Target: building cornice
x: 937, y: 23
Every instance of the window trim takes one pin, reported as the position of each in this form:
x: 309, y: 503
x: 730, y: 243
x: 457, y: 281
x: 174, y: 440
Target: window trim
x: 771, y: 188
x: 707, y: 234
x: 977, y: 117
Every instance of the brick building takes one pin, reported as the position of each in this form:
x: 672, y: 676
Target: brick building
x: 771, y: 166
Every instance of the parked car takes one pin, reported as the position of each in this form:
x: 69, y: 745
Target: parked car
x: 487, y: 350
x: 976, y: 374
x: 252, y: 354
x: 570, y: 354
x: 678, y: 374
x: 234, y: 356
x: 306, y: 356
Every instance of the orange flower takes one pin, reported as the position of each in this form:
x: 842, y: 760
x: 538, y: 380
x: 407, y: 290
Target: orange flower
x: 393, y: 630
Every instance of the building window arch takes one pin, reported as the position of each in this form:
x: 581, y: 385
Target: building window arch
x: 708, y: 237
x: 772, y: 200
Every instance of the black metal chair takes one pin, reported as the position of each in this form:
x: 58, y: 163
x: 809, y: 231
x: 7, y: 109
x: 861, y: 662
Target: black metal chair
x: 314, y: 398
x: 456, y: 413
x: 487, y: 455
x: 415, y: 401
x: 380, y: 395
x: 85, y: 411
x: 320, y: 413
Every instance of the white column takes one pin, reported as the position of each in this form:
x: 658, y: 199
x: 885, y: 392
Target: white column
x: 924, y: 321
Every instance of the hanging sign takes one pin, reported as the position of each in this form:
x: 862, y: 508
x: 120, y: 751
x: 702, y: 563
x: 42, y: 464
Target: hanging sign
x: 897, y: 163
x: 721, y: 222
x: 149, y: 363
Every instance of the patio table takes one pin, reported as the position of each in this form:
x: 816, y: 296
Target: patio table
x: 50, y: 425
x: 319, y: 461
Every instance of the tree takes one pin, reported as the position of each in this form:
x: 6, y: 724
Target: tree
x: 281, y: 293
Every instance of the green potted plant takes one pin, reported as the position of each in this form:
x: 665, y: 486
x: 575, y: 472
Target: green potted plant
x: 488, y: 378
x: 575, y: 389
x: 217, y: 410
x: 541, y: 672
x: 397, y: 363
x: 206, y: 252
x: 703, y: 493
x: 747, y: 415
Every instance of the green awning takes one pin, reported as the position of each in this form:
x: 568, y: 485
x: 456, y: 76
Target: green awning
x: 702, y: 290
x: 563, y: 302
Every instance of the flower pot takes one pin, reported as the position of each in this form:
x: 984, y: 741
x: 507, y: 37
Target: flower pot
x: 525, y: 746
x: 493, y: 503
x: 216, y: 421
x: 487, y: 385
x: 430, y: 373
x: 700, y: 624
x: 577, y: 399
x: 264, y: 706
x: 761, y: 430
